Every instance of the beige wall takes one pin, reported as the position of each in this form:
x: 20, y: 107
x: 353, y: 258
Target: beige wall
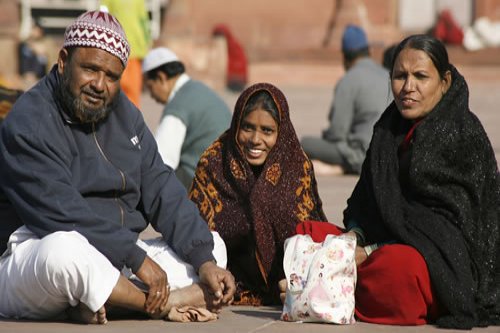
x: 293, y: 29
x: 279, y: 27
x: 488, y: 8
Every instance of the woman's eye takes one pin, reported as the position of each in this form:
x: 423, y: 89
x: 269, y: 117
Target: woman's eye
x: 398, y: 76
x: 268, y: 130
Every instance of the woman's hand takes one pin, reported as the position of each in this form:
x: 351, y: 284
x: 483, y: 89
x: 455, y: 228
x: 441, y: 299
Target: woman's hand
x: 360, y: 255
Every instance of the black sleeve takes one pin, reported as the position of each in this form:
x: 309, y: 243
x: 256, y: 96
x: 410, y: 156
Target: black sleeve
x: 168, y: 208
x: 36, y: 178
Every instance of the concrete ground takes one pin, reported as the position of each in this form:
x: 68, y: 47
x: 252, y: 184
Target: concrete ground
x: 309, y: 89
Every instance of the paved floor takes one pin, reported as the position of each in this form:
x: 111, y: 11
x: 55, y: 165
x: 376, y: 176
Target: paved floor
x: 308, y: 88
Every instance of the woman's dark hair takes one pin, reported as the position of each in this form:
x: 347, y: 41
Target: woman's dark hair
x: 262, y: 99
x: 387, y: 56
x: 171, y: 69
x: 431, y: 46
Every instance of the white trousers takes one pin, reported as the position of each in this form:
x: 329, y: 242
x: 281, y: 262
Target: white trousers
x: 40, y: 278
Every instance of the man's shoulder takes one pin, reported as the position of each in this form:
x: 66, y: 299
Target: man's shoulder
x: 196, y: 87
x: 363, y: 71
x: 368, y: 65
x: 33, y: 108
x: 196, y: 95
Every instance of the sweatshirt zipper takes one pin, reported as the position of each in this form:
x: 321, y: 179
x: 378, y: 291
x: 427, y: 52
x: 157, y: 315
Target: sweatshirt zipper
x: 122, y: 175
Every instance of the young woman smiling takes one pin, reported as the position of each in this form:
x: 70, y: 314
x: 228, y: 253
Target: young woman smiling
x: 254, y: 185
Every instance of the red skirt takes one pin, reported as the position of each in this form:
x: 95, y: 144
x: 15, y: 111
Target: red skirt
x: 393, y: 286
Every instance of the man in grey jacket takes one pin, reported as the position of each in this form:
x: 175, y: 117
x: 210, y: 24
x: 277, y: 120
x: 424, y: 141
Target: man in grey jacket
x: 80, y: 178
x: 361, y: 96
x: 193, y: 117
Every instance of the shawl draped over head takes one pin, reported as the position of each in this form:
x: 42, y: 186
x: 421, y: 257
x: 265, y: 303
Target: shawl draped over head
x: 450, y: 209
x: 235, y: 202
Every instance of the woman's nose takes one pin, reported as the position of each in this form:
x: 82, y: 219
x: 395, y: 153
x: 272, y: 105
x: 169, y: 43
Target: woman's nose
x: 255, y: 138
x: 409, y: 84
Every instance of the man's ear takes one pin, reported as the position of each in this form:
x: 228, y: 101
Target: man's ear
x: 161, y: 76
x: 62, y: 60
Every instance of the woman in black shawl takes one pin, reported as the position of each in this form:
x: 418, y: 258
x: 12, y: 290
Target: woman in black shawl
x: 429, y: 183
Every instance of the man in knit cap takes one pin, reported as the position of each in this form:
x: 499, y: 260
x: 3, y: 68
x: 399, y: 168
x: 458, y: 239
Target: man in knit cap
x: 361, y: 96
x: 80, y: 178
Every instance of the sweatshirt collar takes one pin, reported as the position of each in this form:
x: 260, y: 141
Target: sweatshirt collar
x: 183, y: 78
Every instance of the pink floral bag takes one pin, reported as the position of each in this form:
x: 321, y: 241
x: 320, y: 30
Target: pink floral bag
x: 321, y: 279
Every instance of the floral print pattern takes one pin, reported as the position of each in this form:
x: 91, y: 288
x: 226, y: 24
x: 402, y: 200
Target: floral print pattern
x: 321, y: 279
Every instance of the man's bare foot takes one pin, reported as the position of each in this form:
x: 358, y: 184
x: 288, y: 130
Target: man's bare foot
x: 197, y: 295
x: 82, y: 314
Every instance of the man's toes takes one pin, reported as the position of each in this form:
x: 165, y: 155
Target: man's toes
x: 101, y: 316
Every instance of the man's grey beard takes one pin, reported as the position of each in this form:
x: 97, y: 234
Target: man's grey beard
x: 75, y: 106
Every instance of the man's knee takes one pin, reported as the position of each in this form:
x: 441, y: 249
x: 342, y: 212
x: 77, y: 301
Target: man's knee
x: 308, y: 144
x: 220, y: 251
x: 61, y: 252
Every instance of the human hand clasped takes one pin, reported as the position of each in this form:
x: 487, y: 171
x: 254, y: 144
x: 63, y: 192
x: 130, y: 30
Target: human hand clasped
x: 157, y: 281
x: 219, y: 281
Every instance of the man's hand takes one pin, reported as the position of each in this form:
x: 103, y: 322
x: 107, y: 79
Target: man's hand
x: 219, y: 281
x: 156, y: 279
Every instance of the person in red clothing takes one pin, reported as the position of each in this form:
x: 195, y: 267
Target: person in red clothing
x: 447, y: 29
x: 237, y: 66
x: 426, y: 208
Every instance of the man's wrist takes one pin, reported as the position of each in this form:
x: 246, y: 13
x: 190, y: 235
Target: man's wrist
x: 207, y: 263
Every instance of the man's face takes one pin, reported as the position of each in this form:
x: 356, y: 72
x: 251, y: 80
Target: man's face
x: 90, y: 82
x: 160, y: 87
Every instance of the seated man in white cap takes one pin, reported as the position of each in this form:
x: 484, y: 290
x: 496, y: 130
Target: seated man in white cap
x: 193, y: 116
x: 80, y: 178
x: 361, y: 96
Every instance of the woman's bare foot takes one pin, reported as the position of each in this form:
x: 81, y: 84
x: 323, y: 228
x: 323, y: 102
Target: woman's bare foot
x: 282, y: 289
x: 324, y: 169
x: 82, y: 314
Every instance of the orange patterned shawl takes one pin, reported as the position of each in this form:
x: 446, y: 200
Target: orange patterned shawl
x: 255, y: 214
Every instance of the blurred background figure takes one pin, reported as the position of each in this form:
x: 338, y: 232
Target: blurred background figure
x: 193, y: 116
x: 484, y: 33
x: 8, y: 97
x: 360, y: 97
x: 237, y: 64
x: 133, y: 16
x: 34, y: 53
x: 447, y: 29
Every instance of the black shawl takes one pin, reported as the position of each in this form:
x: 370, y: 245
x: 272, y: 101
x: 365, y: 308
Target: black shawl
x: 449, y: 211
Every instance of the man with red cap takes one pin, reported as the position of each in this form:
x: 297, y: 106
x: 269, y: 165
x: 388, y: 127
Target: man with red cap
x: 80, y: 178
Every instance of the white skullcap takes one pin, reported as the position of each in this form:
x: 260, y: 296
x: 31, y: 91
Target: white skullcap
x: 157, y: 57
